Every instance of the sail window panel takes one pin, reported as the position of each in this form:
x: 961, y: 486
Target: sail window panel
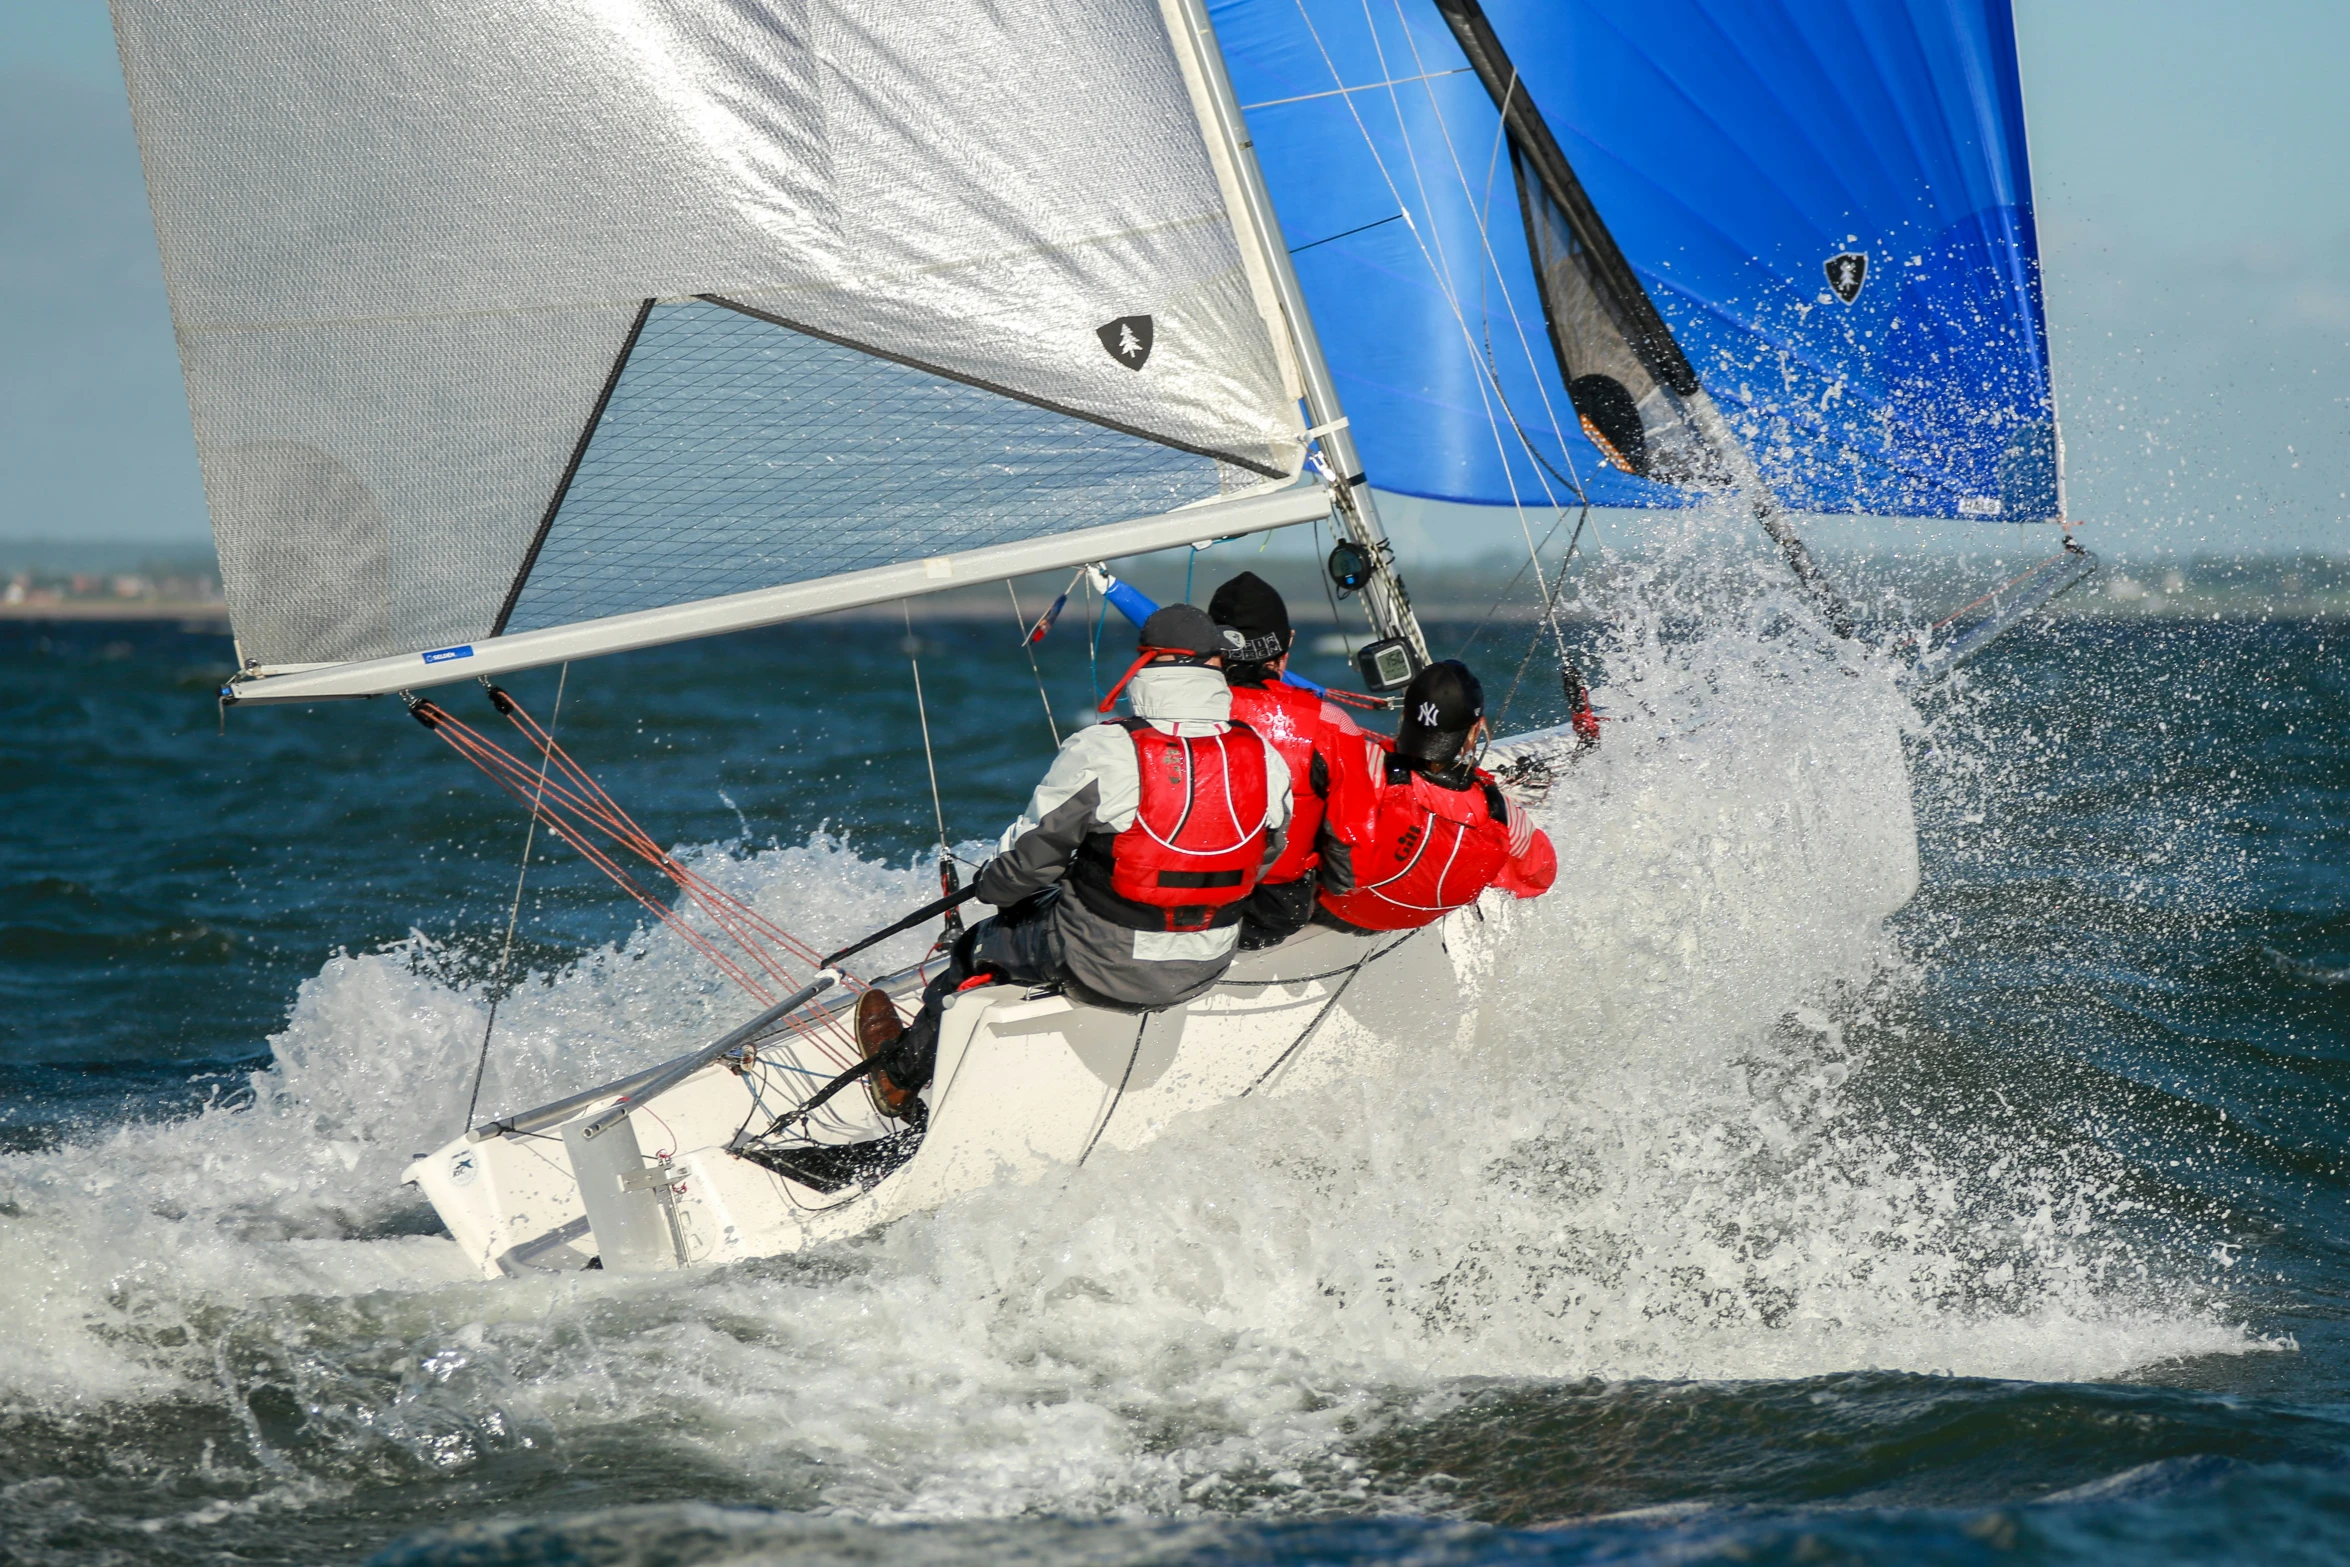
x: 374, y: 485
x: 1631, y: 417
x: 737, y: 454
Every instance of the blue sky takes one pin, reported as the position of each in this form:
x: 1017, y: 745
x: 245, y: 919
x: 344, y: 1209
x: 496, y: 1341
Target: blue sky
x: 2191, y: 164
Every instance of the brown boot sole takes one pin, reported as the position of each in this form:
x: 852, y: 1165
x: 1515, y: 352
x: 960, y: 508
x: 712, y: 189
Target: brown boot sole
x: 878, y: 1027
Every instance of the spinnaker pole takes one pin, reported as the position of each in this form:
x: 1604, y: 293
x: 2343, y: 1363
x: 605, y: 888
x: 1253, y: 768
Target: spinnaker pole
x: 1227, y: 130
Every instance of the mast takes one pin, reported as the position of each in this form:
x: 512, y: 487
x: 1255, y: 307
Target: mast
x: 1235, y: 153
x: 1644, y: 329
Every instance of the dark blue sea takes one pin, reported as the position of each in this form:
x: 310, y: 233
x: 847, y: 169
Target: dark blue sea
x: 1771, y: 1222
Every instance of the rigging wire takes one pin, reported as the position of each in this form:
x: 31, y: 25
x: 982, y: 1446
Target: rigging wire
x: 1489, y: 274
x: 514, y: 914
x: 1508, y: 587
x: 1534, y: 644
x: 1337, y: 994
x: 575, y: 809
x: 922, y: 712
x: 1093, y: 652
x: 1488, y: 385
x: 593, y: 809
x: 1028, y: 646
x: 1490, y: 270
x: 1573, y: 477
x: 1945, y: 622
x: 1141, y: 1029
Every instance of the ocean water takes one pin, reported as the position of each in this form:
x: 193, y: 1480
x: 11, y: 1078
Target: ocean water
x: 1762, y: 1227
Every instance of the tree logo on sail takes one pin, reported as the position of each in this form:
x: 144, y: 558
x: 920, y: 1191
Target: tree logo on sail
x: 1128, y: 340
x: 1847, y: 273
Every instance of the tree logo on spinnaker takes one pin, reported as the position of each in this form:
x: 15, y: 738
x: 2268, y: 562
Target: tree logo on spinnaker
x: 1847, y: 273
x: 1128, y: 340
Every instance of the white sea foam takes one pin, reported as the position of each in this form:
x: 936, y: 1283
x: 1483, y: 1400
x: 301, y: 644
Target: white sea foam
x: 1645, y: 1169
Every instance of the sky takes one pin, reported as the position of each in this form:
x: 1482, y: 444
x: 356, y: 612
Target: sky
x: 2191, y: 165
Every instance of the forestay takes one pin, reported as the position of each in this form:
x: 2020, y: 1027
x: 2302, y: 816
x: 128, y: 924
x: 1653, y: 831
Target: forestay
x: 517, y: 331
x: 1824, y: 205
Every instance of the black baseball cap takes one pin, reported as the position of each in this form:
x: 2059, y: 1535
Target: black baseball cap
x: 1185, y: 630
x: 1440, y: 706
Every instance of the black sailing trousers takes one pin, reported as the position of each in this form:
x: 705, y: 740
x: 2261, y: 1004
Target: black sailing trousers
x: 1016, y: 946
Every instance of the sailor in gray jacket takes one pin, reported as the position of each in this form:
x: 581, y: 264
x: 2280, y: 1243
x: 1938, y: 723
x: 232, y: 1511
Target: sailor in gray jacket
x: 1123, y: 880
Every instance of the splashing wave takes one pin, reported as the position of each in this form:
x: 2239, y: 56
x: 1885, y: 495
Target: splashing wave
x: 1647, y: 1165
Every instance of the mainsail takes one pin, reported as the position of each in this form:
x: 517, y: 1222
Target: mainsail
x: 1577, y: 250
x: 524, y: 332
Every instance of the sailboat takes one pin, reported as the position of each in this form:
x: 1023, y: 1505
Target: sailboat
x: 518, y: 337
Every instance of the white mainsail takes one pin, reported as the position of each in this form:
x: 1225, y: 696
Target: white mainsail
x: 523, y: 331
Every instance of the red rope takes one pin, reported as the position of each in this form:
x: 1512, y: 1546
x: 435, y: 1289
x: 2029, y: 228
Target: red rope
x: 2024, y: 575
x: 1354, y: 698
x: 578, y: 810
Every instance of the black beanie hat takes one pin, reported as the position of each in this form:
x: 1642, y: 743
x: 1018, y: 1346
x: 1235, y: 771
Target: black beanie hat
x: 1251, y: 606
x: 1183, y: 628
x: 1439, y: 707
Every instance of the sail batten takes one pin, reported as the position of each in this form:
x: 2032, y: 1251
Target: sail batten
x: 587, y: 435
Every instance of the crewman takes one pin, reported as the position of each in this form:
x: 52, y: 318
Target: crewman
x: 1311, y: 732
x: 1412, y: 833
x: 1124, y: 880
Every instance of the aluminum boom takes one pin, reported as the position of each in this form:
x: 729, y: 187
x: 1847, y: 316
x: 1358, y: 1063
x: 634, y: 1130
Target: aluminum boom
x: 1302, y: 502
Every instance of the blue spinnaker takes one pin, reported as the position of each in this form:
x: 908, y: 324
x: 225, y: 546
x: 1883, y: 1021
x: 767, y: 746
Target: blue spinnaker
x: 1827, y: 201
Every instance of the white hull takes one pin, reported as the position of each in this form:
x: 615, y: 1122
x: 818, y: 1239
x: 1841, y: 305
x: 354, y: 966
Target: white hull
x: 1024, y: 1084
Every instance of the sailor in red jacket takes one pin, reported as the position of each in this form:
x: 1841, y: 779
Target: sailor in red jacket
x: 1412, y: 834
x: 1312, y: 734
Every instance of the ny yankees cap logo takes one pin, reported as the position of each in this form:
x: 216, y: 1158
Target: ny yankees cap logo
x: 1429, y: 717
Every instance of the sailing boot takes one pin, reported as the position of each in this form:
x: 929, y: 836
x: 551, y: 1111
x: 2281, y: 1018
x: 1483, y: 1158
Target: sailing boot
x: 878, y: 1028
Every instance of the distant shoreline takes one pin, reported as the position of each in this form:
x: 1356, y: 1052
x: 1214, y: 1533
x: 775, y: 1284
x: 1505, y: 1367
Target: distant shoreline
x: 85, y: 610
x: 2100, y: 602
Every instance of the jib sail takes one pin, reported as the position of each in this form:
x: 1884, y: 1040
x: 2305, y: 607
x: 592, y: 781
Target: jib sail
x: 515, y: 333
x: 1577, y: 249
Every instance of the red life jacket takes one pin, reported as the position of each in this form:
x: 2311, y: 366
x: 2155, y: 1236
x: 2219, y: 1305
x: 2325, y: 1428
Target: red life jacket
x: 1198, y: 837
x: 1289, y: 719
x: 1419, y: 850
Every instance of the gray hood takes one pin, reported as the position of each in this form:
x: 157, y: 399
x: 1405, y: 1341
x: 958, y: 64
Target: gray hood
x: 1180, y: 693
